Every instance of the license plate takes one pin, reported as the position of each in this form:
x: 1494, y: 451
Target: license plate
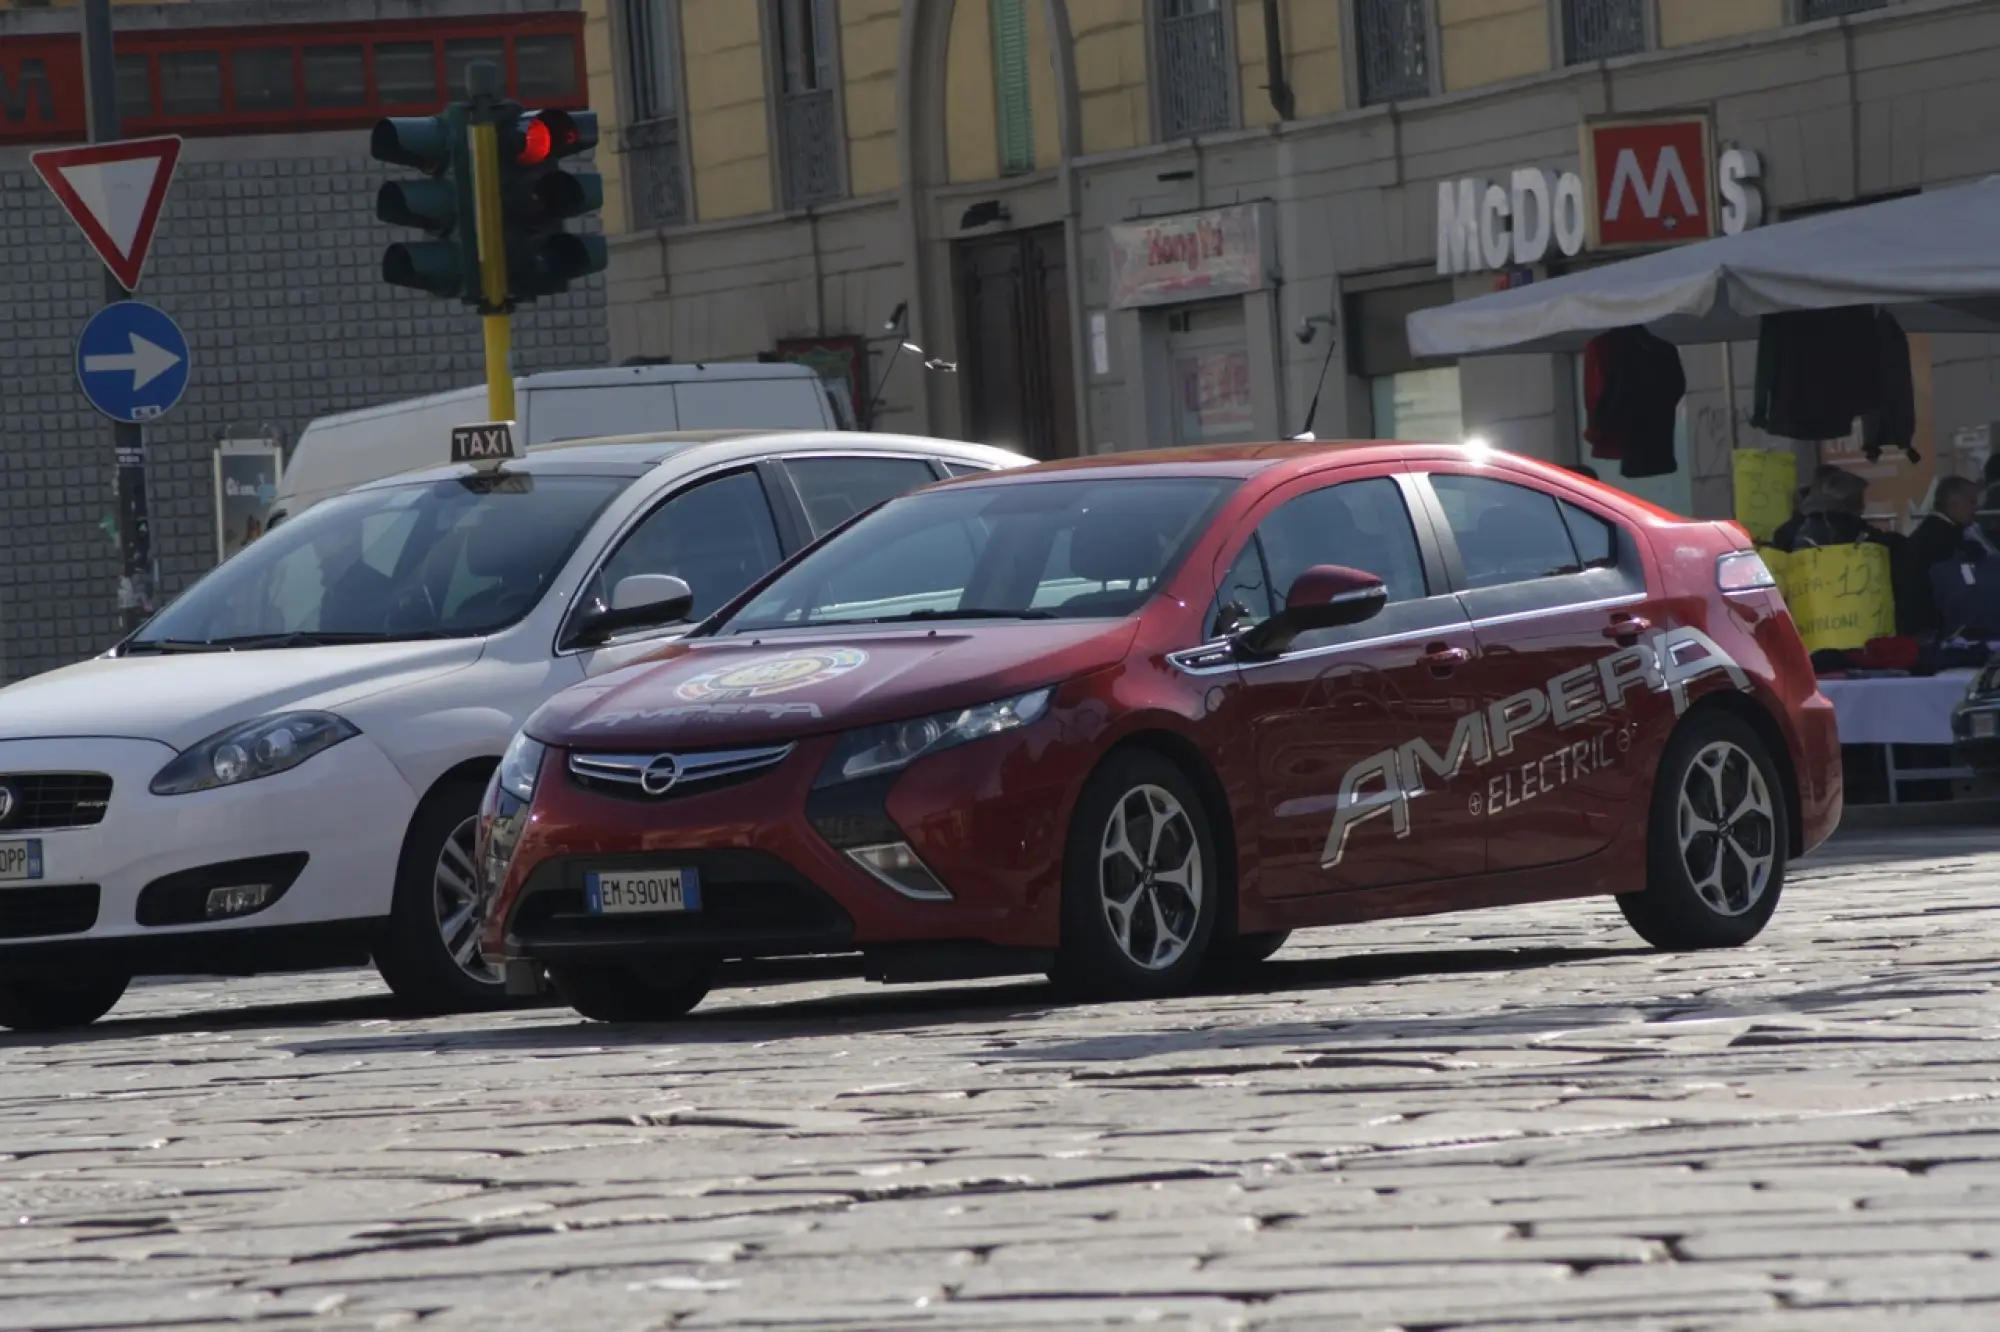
x: 642, y: 892
x: 20, y: 861
x: 1983, y: 725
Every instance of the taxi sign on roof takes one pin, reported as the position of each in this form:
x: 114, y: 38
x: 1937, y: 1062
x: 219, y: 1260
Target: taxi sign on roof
x: 483, y: 442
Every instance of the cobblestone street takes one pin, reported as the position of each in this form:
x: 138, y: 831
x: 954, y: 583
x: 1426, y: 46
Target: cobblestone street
x: 1520, y: 1120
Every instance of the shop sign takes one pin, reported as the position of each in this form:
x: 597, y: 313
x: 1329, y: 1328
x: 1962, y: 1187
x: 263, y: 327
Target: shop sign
x: 1644, y: 183
x: 1168, y: 260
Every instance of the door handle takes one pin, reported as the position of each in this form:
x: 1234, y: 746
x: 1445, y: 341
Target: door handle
x: 1444, y: 658
x: 1627, y: 628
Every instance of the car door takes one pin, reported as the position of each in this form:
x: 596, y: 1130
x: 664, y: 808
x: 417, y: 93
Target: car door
x: 1351, y: 730
x: 720, y: 533
x: 1558, y: 599
x: 831, y: 488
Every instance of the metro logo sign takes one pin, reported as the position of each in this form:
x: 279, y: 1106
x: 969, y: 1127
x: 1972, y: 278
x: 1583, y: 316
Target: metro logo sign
x: 1648, y: 181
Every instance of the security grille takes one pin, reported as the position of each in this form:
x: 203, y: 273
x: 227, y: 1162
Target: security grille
x: 1194, y: 68
x: 1394, y: 43
x: 1811, y: 10
x: 807, y: 123
x: 1600, y: 29
x: 653, y: 161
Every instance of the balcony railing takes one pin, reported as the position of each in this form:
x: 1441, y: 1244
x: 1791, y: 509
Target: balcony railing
x: 1600, y: 29
x: 653, y: 161
x: 1194, y: 73
x: 811, y: 147
x: 1394, y: 55
x: 1811, y: 10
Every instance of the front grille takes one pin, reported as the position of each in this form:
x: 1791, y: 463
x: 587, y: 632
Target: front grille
x: 33, y: 913
x: 664, y: 775
x: 35, y: 801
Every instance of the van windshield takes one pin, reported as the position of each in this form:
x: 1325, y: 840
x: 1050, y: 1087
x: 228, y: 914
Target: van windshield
x: 459, y: 558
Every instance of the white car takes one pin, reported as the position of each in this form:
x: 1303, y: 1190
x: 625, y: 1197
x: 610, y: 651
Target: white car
x: 281, y: 770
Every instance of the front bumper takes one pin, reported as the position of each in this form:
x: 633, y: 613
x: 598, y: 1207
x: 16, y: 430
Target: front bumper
x: 1975, y: 735
x: 326, y: 836
x: 986, y: 818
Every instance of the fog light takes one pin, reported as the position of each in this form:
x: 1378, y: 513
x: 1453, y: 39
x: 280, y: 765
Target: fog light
x: 237, y: 901
x: 897, y: 865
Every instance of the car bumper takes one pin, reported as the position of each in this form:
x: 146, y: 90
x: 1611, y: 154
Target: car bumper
x: 1975, y: 735
x: 986, y: 819
x: 325, y: 837
x: 1821, y: 785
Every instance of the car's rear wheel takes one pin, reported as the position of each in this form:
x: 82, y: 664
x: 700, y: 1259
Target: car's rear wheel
x: 625, y: 993
x: 1140, y: 883
x: 51, y: 1002
x: 430, y: 953
x: 1717, y: 840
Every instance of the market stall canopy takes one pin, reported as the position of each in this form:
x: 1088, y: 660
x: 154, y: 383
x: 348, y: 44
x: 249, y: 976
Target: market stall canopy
x: 1932, y: 259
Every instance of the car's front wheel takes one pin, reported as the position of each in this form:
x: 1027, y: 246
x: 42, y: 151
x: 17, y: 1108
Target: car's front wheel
x: 1717, y: 839
x: 1140, y: 882
x: 625, y: 993
x: 52, y: 1002
x: 430, y: 953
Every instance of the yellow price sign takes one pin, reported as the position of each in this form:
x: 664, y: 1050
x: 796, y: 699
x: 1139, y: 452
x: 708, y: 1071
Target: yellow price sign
x: 1765, y: 483
x: 1839, y: 596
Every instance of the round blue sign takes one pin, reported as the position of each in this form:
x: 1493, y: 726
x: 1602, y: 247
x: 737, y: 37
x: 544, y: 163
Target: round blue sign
x: 132, y: 362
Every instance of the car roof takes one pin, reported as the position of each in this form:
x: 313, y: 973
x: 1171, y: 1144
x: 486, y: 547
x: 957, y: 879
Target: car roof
x: 1227, y: 460
x: 634, y: 456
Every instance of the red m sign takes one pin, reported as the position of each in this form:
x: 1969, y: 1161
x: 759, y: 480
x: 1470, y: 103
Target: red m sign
x: 1649, y: 181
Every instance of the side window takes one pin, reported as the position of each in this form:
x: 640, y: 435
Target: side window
x: 1596, y: 541
x: 835, y: 489
x: 719, y: 535
x: 1506, y: 533
x: 1359, y: 524
x: 961, y: 469
x: 1245, y: 595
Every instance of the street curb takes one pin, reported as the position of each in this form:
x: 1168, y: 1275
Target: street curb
x: 1924, y: 814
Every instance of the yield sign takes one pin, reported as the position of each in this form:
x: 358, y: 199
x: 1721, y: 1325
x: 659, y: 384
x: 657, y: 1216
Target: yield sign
x: 113, y: 192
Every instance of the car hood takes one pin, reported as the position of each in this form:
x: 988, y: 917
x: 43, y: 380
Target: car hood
x: 186, y: 697
x: 723, y: 691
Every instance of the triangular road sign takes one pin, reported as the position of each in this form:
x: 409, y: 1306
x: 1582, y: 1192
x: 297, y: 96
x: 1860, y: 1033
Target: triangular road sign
x: 113, y: 192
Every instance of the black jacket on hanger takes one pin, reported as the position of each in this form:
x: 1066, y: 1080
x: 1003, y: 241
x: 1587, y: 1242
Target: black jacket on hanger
x: 1817, y: 370
x: 1635, y: 409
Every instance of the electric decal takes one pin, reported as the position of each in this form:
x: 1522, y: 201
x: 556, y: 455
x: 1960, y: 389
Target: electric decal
x: 770, y: 675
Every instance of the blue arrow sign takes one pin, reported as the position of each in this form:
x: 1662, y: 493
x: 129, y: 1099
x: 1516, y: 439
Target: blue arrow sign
x: 132, y: 362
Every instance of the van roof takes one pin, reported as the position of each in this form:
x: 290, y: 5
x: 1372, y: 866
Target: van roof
x: 716, y: 371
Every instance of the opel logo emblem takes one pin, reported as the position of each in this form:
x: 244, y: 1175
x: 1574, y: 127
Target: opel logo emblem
x: 658, y: 778
x: 7, y: 799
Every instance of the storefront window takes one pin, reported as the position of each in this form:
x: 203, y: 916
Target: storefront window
x: 1418, y: 406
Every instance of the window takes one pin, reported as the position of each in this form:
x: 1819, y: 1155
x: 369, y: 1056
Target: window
x: 406, y: 72
x: 545, y: 67
x: 807, y: 124
x: 963, y: 469
x: 1244, y: 598
x: 835, y: 489
x: 1418, y: 406
x: 1192, y: 52
x: 1359, y: 524
x: 336, y: 76
x: 717, y: 535
x: 1600, y: 29
x: 1392, y: 38
x: 652, y: 142
x: 462, y: 51
x: 262, y: 78
x: 1505, y: 533
x: 135, y: 87
x: 1013, y: 107
x: 1813, y: 10
x: 1596, y: 541
x: 190, y: 83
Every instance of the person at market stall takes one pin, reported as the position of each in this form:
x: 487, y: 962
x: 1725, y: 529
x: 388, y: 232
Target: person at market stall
x: 1967, y: 588
x: 1788, y: 530
x: 1832, y: 516
x: 1940, y: 538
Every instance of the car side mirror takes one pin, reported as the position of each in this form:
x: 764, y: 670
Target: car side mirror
x: 642, y: 601
x: 1326, y: 596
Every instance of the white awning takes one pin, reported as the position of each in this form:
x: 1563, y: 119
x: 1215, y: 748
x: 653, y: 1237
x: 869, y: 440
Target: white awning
x: 1932, y: 259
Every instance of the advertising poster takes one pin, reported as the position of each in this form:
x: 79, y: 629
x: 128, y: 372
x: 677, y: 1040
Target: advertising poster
x: 246, y: 483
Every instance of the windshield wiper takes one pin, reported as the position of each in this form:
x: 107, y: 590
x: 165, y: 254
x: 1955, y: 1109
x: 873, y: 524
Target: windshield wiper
x: 163, y: 646
x: 316, y: 638
x: 970, y: 613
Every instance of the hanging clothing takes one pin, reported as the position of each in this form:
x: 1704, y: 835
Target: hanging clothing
x: 1893, y: 423
x: 1817, y: 370
x: 1632, y: 385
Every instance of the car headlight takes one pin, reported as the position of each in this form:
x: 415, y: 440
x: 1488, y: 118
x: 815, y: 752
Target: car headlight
x: 1986, y: 682
x: 250, y: 750
x: 882, y: 749
x: 519, y: 767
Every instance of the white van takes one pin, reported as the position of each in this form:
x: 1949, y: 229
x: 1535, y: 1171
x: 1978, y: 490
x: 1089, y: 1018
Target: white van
x: 337, y: 453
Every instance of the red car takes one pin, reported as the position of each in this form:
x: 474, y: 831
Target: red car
x: 1132, y: 718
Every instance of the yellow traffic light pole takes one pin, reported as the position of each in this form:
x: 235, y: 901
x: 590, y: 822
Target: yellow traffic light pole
x: 492, y: 270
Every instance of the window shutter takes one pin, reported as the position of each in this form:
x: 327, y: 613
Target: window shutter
x: 1010, y: 86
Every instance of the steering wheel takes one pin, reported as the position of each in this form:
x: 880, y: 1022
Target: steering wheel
x: 409, y: 595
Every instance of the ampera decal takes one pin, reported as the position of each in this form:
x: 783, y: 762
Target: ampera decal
x: 1383, y: 784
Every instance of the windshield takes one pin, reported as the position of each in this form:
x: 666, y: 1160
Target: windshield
x: 1053, y: 549
x: 448, y: 559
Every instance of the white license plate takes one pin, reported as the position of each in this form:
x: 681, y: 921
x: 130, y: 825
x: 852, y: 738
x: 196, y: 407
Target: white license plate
x: 20, y: 861
x: 642, y: 892
x: 1983, y: 725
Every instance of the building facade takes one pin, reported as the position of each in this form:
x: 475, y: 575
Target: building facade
x: 1110, y: 224
x: 268, y: 255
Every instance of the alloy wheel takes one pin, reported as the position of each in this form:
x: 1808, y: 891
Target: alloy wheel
x: 1727, y: 828
x: 1150, y: 876
x: 461, y: 912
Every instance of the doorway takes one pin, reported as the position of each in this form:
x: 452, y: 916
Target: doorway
x: 1015, y: 356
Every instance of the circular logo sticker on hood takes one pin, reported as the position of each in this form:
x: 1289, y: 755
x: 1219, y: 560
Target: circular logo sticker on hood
x: 770, y: 675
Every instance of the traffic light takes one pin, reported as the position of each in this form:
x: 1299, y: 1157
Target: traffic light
x: 440, y: 204
x: 537, y: 196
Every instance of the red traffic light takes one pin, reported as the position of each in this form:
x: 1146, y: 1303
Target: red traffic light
x: 536, y: 141
x: 544, y: 136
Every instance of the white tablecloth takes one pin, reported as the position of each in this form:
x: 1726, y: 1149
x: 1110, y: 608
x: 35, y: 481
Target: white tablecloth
x: 1897, y: 710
